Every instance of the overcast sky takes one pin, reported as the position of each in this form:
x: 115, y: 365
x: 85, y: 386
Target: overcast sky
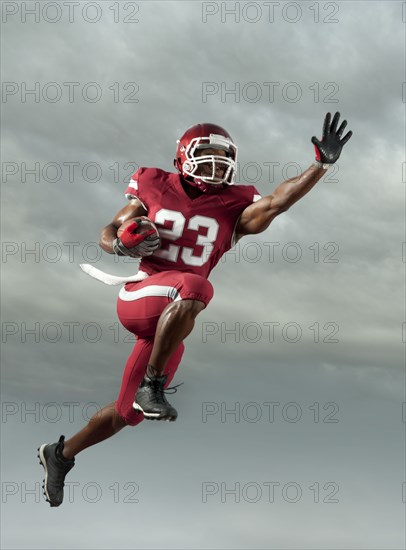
x: 303, y: 338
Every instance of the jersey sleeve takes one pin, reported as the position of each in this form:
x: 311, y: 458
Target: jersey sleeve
x: 137, y: 188
x: 254, y: 193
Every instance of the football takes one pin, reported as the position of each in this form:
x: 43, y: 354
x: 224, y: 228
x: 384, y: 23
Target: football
x: 144, y: 225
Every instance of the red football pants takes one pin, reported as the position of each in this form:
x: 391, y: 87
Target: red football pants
x: 139, y: 307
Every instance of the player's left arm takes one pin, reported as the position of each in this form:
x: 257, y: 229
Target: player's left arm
x: 258, y: 216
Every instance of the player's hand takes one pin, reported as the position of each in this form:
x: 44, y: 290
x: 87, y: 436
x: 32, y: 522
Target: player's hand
x: 133, y: 240
x: 328, y: 150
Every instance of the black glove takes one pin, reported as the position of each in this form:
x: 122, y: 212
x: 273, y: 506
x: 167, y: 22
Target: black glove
x: 328, y: 150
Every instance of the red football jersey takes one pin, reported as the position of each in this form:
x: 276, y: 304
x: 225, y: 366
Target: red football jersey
x: 195, y: 233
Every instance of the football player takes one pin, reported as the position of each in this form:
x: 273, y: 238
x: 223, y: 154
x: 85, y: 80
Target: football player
x: 200, y: 214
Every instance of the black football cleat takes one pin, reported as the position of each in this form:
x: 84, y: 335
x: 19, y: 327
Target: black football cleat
x: 151, y: 401
x: 56, y: 469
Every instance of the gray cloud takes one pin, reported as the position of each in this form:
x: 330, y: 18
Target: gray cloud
x: 355, y: 216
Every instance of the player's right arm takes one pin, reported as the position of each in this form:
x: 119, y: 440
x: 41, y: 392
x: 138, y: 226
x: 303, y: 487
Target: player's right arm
x: 109, y: 233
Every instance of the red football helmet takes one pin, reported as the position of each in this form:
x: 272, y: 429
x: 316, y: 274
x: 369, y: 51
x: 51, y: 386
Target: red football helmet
x: 206, y: 136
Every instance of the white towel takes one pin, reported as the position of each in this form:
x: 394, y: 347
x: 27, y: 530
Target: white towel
x: 108, y: 279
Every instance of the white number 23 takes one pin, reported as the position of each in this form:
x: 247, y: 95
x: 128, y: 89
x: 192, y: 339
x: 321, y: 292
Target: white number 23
x: 186, y: 253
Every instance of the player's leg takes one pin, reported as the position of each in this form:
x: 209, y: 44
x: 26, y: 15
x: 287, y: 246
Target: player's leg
x: 58, y: 458
x: 175, y: 324
x: 187, y: 295
x: 115, y: 416
x: 134, y: 373
x: 171, y: 300
x: 101, y: 426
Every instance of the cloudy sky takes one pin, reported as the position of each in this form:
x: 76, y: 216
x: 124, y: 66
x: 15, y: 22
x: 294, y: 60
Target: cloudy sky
x: 303, y: 339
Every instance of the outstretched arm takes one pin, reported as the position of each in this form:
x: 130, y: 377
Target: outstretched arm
x: 257, y: 217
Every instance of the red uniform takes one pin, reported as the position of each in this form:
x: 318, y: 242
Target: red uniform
x: 194, y: 233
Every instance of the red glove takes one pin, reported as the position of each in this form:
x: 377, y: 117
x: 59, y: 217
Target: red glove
x: 130, y: 237
x: 137, y: 241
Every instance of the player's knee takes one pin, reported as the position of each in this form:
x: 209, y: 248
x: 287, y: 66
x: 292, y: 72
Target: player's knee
x: 127, y: 414
x: 207, y: 288
x: 118, y: 420
x: 196, y: 288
